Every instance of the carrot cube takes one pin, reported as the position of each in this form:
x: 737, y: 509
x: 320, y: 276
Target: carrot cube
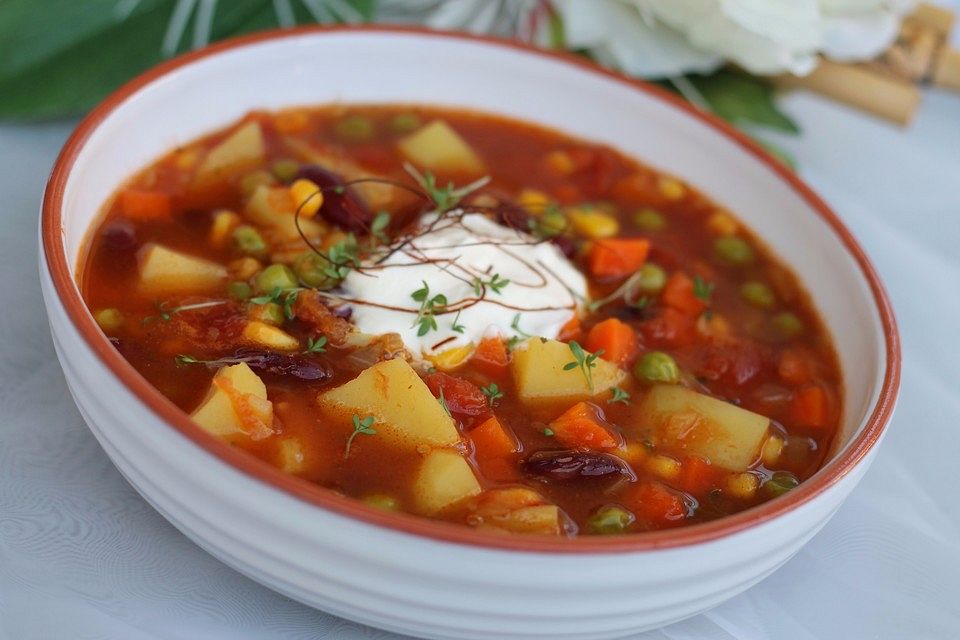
x: 678, y: 293
x: 139, y: 204
x: 617, y: 257
x: 582, y: 426
x: 617, y: 339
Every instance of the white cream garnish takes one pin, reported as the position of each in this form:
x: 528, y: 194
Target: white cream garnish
x: 452, y: 257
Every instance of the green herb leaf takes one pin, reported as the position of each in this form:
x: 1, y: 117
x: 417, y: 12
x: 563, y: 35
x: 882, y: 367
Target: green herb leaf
x: 443, y: 403
x: 618, y: 395
x: 456, y: 326
x: 583, y: 360
x: 364, y: 426
x: 316, y: 346
x: 702, y: 289
x: 547, y: 431
x: 493, y: 393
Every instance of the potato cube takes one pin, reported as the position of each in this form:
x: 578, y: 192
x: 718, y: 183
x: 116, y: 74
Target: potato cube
x: 272, y: 207
x: 233, y: 385
x: 291, y: 458
x: 269, y: 336
x: 444, y: 479
x: 242, y: 148
x: 538, y: 370
x: 406, y: 412
x: 437, y: 147
x: 697, y: 424
x: 165, y: 271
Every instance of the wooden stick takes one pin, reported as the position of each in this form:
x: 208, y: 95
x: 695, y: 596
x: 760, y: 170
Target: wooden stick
x: 930, y: 16
x: 858, y: 87
x: 946, y: 69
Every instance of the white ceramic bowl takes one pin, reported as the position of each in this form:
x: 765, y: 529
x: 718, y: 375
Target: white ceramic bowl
x: 396, y: 571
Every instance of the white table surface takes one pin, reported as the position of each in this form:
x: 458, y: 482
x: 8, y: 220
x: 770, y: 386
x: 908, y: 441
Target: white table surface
x: 83, y: 557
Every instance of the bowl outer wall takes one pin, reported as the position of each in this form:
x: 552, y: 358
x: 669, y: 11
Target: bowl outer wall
x: 846, y: 468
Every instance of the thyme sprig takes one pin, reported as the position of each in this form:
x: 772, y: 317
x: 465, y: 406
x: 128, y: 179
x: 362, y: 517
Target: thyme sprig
x: 446, y: 197
x: 364, y: 426
x: 702, y: 289
x: 493, y: 393
x: 316, y: 346
x: 429, y: 305
x: 583, y: 360
x: 166, y: 312
x: 618, y: 395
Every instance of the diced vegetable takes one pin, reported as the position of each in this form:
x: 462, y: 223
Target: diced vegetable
x: 443, y: 480
x: 671, y: 188
x: 110, y: 319
x: 649, y: 220
x: 780, y: 483
x: 236, y: 405
x: 315, y: 271
x: 140, y: 204
x: 742, y: 486
x: 796, y: 366
x: 273, y: 207
x: 269, y: 313
x: 538, y: 371
x: 458, y: 396
x: 533, y: 200
x: 451, y: 359
x: 616, y: 338
x: 656, y: 504
x: 664, y: 466
x: 164, y: 271
x: 407, y: 413
x: 495, y: 450
x: 582, y: 426
x: 788, y: 324
x: 248, y: 241
x: 404, y: 122
x: 758, y: 294
x: 381, y: 501
x: 291, y: 456
x: 276, y: 276
x: 722, y: 224
x: 617, y: 257
x: 269, y: 336
x: 307, y: 197
x: 652, y: 278
x: 242, y: 148
x: 772, y: 448
x: 354, y: 128
x: 285, y: 170
x: 437, y: 147
x: 593, y: 223
x: 571, y: 330
x: 696, y: 476
x: 491, y: 357
x: 657, y: 367
x: 722, y: 433
x: 516, y: 510
x: 679, y: 293
x: 610, y: 520
x: 223, y: 225
x: 811, y: 407
x: 734, y: 250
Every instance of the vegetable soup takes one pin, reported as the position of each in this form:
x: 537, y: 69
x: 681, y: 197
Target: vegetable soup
x: 468, y: 318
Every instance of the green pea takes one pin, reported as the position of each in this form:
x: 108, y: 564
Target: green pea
x: 758, y: 294
x: 780, y: 483
x: 649, y: 220
x: 354, y: 129
x: 382, y: 501
x: 276, y: 276
x: 239, y: 290
x: 271, y: 313
x: 734, y: 250
x: 314, y: 271
x: 404, y: 122
x: 788, y: 324
x: 551, y: 223
x: 285, y: 170
x: 109, y: 319
x: 250, y: 182
x: 248, y: 241
x: 657, y: 366
x: 651, y: 279
x: 611, y: 519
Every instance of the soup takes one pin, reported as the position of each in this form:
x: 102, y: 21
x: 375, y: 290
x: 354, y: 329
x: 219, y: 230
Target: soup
x: 467, y: 318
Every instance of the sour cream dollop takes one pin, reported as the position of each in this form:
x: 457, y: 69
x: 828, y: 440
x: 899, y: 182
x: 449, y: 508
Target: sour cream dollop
x: 453, y: 255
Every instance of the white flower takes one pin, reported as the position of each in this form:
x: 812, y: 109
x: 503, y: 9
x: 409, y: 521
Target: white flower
x: 654, y: 38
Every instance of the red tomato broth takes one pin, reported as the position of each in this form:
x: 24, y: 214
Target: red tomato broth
x: 742, y: 368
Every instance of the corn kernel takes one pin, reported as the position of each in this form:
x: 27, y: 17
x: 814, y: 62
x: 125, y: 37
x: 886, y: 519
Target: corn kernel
x: 591, y: 223
x: 634, y: 453
x: 771, y: 451
x: 533, y: 200
x: 291, y: 455
x: 244, y: 268
x: 559, y: 163
x: 742, y: 485
x: 722, y: 224
x: 270, y: 337
x: 306, y: 196
x: 713, y: 325
x: 670, y: 188
x: 224, y: 221
x: 450, y: 359
x: 663, y: 466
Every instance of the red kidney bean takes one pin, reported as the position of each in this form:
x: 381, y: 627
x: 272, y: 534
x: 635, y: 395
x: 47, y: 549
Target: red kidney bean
x: 343, y: 207
x: 571, y: 464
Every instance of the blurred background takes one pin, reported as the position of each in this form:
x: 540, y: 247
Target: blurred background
x: 861, y: 97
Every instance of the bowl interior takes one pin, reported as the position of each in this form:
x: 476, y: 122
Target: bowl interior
x: 389, y: 67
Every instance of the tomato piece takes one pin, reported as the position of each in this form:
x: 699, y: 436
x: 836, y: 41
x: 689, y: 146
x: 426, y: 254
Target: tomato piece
x: 583, y: 426
x: 617, y: 257
x: 679, y: 294
x: 668, y: 328
x: 811, y: 407
x: 617, y: 339
x: 655, y: 503
x: 697, y: 476
x: 461, y: 396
